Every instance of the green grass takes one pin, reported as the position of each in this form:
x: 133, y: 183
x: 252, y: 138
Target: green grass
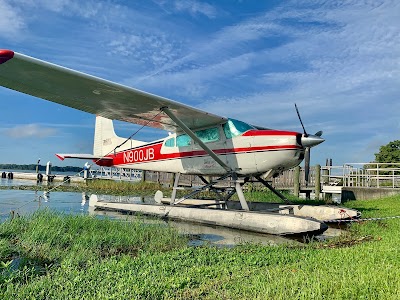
x: 268, y: 196
x: 76, y: 257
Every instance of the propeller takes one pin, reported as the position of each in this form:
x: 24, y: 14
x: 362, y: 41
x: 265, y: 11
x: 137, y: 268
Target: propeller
x: 308, y: 141
x: 301, y: 122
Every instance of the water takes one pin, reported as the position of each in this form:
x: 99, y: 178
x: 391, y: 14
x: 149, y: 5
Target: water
x: 16, y: 182
x: 23, y: 202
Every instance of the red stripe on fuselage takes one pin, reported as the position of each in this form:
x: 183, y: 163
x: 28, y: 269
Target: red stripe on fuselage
x: 269, y: 133
x: 153, y: 153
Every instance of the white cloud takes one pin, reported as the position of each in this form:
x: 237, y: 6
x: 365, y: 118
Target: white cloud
x: 199, y: 77
x: 29, y: 130
x: 11, y: 20
x: 196, y: 7
x: 86, y: 8
x: 151, y: 49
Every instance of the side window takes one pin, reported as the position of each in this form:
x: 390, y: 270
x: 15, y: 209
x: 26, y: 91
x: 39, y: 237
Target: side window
x: 208, y: 135
x: 227, y: 131
x: 170, y: 142
x: 183, y: 140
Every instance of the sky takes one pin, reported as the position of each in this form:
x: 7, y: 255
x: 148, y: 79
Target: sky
x: 249, y: 60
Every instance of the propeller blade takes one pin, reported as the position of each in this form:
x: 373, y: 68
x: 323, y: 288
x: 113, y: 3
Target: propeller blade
x: 301, y: 122
x: 307, y: 164
x: 319, y: 133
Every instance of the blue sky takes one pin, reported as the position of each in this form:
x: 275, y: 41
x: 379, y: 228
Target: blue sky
x: 250, y: 60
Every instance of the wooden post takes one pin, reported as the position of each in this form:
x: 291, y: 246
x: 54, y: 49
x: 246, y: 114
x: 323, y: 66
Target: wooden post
x: 325, y: 176
x: 317, y: 181
x: 328, y: 198
x: 172, y: 180
x: 143, y: 176
x: 325, y: 181
x: 296, y: 181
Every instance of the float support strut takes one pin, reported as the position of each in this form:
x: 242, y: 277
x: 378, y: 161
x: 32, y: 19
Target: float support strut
x: 239, y: 192
x: 176, y: 181
x: 273, y: 190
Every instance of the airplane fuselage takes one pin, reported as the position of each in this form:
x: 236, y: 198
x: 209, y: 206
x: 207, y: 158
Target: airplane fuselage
x: 244, y: 149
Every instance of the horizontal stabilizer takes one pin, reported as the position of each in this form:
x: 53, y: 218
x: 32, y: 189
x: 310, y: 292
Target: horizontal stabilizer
x: 82, y: 156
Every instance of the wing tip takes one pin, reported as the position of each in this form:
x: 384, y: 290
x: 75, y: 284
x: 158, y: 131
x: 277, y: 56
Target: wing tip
x: 5, y: 55
x: 60, y: 156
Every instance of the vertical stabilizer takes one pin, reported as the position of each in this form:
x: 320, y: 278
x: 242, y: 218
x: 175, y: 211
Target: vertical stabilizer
x: 105, y: 139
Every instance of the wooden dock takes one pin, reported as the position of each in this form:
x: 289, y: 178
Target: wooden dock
x: 45, y: 178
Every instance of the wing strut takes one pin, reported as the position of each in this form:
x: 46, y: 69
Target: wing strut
x: 195, y: 138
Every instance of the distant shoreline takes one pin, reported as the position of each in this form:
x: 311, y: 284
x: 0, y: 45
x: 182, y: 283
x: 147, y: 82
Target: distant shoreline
x: 32, y: 167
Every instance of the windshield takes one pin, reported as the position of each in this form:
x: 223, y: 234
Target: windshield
x: 234, y: 128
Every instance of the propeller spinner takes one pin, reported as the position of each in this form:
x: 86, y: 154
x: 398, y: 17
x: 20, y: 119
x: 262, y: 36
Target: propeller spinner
x: 308, y: 141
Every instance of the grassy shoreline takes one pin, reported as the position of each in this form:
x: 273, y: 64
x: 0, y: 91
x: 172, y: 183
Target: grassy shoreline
x: 55, y: 256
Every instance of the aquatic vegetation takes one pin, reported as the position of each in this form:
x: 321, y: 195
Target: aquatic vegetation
x: 100, y: 186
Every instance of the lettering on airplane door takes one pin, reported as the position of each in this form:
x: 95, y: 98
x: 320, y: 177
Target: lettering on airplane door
x: 138, y: 155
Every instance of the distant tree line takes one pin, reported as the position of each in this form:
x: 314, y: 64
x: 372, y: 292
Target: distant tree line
x: 41, y: 168
x: 389, y: 153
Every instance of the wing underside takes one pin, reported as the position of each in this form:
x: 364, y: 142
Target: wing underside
x: 95, y: 95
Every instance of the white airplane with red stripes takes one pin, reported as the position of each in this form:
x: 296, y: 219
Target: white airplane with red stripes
x: 201, y: 143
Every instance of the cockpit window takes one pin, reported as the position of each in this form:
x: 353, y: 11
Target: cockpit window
x: 170, y: 142
x: 208, y: 135
x: 183, y: 140
x: 234, y: 128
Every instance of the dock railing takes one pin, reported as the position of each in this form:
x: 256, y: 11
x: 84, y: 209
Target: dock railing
x: 116, y: 173
x: 373, y: 175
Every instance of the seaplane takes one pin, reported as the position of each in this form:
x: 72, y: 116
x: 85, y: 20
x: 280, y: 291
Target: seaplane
x: 213, y: 147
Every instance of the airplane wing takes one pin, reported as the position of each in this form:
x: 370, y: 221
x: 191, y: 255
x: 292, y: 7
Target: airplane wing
x: 95, y: 95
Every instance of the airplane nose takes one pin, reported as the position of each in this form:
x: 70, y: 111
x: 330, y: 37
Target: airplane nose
x: 311, y: 140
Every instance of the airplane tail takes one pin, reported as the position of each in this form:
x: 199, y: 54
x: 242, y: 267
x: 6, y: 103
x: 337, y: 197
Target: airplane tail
x: 105, y: 139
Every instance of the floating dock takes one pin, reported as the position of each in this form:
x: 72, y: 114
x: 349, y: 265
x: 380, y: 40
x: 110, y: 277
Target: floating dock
x: 261, y: 222
x: 54, y: 177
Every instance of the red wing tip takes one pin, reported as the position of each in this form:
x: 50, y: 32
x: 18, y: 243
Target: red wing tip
x: 5, y: 55
x: 60, y: 157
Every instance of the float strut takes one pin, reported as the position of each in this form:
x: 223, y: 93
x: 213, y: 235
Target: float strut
x: 201, y: 188
x: 279, y: 194
x: 239, y: 192
x: 176, y: 182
